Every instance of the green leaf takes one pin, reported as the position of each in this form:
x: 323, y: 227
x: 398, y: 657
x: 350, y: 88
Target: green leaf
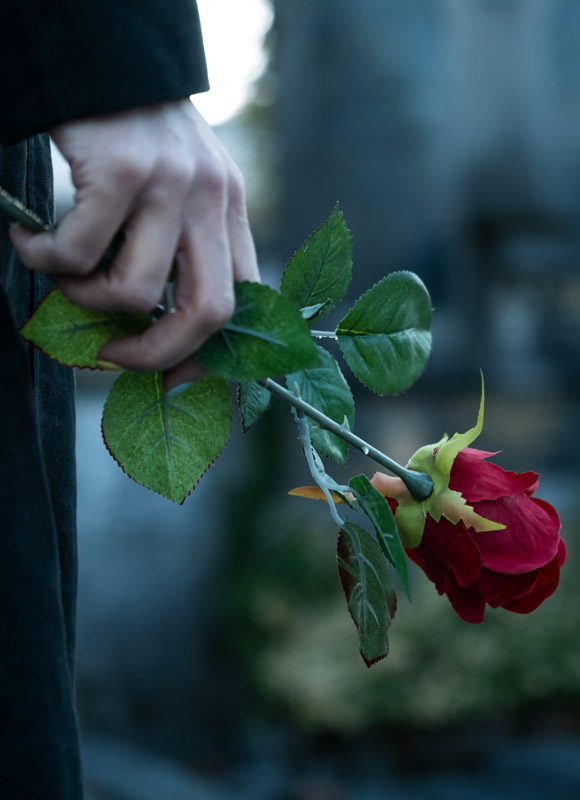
x: 371, y: 599
x: 253, y: 402
x: 378, y: 511
x: 321, y: 269
x: 166, y: 442
x: 266, y: 337
x: 325, y: 388
x: 385, y: 337
x: 74, y: 335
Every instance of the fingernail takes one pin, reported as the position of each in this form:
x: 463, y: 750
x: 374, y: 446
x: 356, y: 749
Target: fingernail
x: 109, y: 365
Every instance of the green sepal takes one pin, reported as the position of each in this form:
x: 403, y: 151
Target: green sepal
x: 371, y: 599
x: 253, y: 402
x: 265, y: 337
x: 385, y: 337
x: 320, y: 271
x: 325, y: 388
x: 165, y: 441
x: 437, y: 461
x: 377, y: 509
x: 73, y: 335
x: 448, y: 449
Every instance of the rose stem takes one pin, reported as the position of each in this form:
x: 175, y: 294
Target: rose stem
x: 418, y: 483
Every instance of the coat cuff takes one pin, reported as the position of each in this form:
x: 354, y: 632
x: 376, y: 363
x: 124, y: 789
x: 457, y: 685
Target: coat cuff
x: 73, y: 59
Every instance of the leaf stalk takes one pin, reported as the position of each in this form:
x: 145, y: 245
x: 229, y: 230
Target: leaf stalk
x: 418, y: 483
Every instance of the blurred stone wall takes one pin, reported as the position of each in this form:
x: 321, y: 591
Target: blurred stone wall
x: 449, y: 132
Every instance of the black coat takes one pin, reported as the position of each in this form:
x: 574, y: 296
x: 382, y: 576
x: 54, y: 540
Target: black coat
x: 66, y: 59
x: 61, y: 60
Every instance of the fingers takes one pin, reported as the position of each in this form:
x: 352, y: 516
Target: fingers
x: 81, y: 239
x: 110, y: 167
x: 159, y: 177
x: 203, y: 291
x: 216, y: 248
x: 174, y: 337
x: 137, y: 278
x: 245, y: 262
x: 148, y: 202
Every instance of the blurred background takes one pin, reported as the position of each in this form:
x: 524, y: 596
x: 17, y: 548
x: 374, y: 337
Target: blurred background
x: 216, y: 657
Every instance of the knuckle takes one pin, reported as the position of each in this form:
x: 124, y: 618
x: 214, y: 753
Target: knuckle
x: 236, y: 187
x: 131, y: 171
x: 211, y: 177
x: 175, y: 173
x: 172, y: 179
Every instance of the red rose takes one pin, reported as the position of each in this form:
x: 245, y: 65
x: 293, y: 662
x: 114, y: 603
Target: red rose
x: 480, y: 536
x: 515, y: 568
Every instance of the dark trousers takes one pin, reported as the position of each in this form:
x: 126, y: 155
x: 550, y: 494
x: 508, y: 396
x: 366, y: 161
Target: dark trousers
x: 39, y: 752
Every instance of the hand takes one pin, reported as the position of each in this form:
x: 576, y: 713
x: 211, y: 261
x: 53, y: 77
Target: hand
x: 161, y: 177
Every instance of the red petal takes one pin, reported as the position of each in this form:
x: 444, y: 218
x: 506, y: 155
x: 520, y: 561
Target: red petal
x: 449, y: 544
x: 478, y: 455
x: 530, y: 539
x: 437, y: 573
x: 546, y: 585
x: 466, y: 604
x: 477, y: 480
x: 562, y: 552
x: 498, y: 589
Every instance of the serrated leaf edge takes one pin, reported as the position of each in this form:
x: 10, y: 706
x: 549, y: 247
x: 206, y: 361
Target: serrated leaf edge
x: 390, y: 600
x: 312, y: 422
x: 149, y: 488
x: 404, y: 576
x: 239, y: 407
x: 305, y: 242
x: 42, y: 350
x: 374, y: 286
x: 346, y: 335
x: 96, y: 368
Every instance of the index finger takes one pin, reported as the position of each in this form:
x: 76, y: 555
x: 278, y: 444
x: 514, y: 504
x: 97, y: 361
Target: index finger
x: 77, y: 245
x: 203, y: 295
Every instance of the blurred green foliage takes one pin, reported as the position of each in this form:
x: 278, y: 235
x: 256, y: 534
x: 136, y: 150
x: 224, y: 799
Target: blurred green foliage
x: 300, y: 648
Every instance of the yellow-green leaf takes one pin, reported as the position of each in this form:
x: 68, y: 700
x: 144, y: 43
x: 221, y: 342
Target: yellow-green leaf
x: 74, y: 335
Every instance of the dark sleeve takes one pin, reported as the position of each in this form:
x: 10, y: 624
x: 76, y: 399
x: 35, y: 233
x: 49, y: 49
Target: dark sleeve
x: 62, y: 60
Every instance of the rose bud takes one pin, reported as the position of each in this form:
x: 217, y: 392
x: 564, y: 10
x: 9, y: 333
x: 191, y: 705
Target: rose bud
x: 481, y: 536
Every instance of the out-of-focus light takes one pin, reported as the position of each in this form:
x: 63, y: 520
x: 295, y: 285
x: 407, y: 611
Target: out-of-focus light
x: 233, y: 35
